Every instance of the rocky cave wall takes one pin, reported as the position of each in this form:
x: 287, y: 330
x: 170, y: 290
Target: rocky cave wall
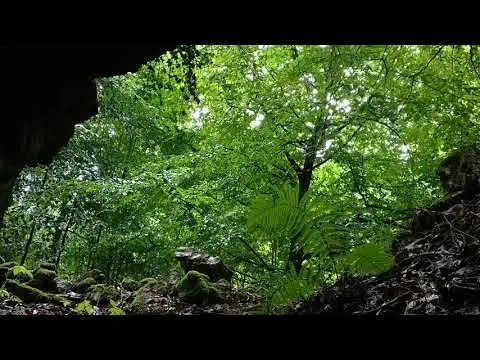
x: 46, y: 90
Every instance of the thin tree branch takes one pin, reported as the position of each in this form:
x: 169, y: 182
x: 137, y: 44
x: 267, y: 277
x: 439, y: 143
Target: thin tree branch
x: 321, y: 163
x: 392, y: 129
x: 292, y: 162
x: 257, y: 255
x: 428, y: 63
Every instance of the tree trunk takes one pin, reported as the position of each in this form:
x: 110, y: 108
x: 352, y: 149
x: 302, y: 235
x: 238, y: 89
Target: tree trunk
x: 304, y: 173
x: 64, y: 238
x: 93, y: 248
x: 6, y: 189
x: 29, y: 242
x: 34, y: 225
x: 57, y: 236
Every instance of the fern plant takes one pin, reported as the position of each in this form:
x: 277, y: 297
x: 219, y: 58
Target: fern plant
x: 283, y: 223
x: 283, y: 290
x: 368, y: 259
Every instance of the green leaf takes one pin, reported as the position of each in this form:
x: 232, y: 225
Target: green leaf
x: 84, y: 308
x: 114, y: 309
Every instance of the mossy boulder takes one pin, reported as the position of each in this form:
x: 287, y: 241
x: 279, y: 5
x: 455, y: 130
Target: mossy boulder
x: 83, y: 285
x: 139, y: 303
x: 9, y: 264
x: 97, y: 275
x: 145, y: 281
x: 101, y: 294
x: 144, y: 294
x: 19, y: 273
x: 193, y: 259
x: 48, y: 266
x: 4, y: 294
x: 3, y: 274
x: 130, y: 284
x: 196, y: 288
x: 44, y: 274
x: 27, y: 293
x: 63, y: 285
x: 44, y: 279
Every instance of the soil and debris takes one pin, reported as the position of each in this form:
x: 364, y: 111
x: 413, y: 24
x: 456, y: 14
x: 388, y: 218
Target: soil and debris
x: 437, y: 261
x: 40, y: 292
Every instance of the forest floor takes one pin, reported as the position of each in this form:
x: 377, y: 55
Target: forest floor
x: 237, y: 302
x: 437, y: 271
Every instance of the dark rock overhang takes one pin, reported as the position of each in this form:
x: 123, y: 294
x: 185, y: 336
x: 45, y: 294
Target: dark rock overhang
x: 46, y: 90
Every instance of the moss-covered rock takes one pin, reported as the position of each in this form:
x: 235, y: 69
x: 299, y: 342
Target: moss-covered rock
x: 44, y: 279
x: 145, y: 281
x: 83, y: 285
x: 130, y: 284
x: 101, y: 294
x: 144, y: 294
x: 9, y: 264
x: 48, y: 266
x: 3, y: 275
x: 97, y: 275
x: 64, y: 286
x: 4, y: 294
x: 44, y: 274
x: 194, y: 259
x: 139, y: 303
x: 19, y: 273
x: 27, y: 293
x: 195, y: 288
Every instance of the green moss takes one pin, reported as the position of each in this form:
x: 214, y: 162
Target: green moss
x: 148, y: 280
x: 48, y: 266
x: 84, y: 285
x: 44, y: 279
x: 9, y: 264
x: 139, y: 303
x: 101, y: 294
x: 145, y: 293
x: 44, y: 274
x: 130, y: 284
x: 3, y: 294
x: 96, y: 274
x: 27, y: 293
x: 195, y: 287
x: 19, y: 273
